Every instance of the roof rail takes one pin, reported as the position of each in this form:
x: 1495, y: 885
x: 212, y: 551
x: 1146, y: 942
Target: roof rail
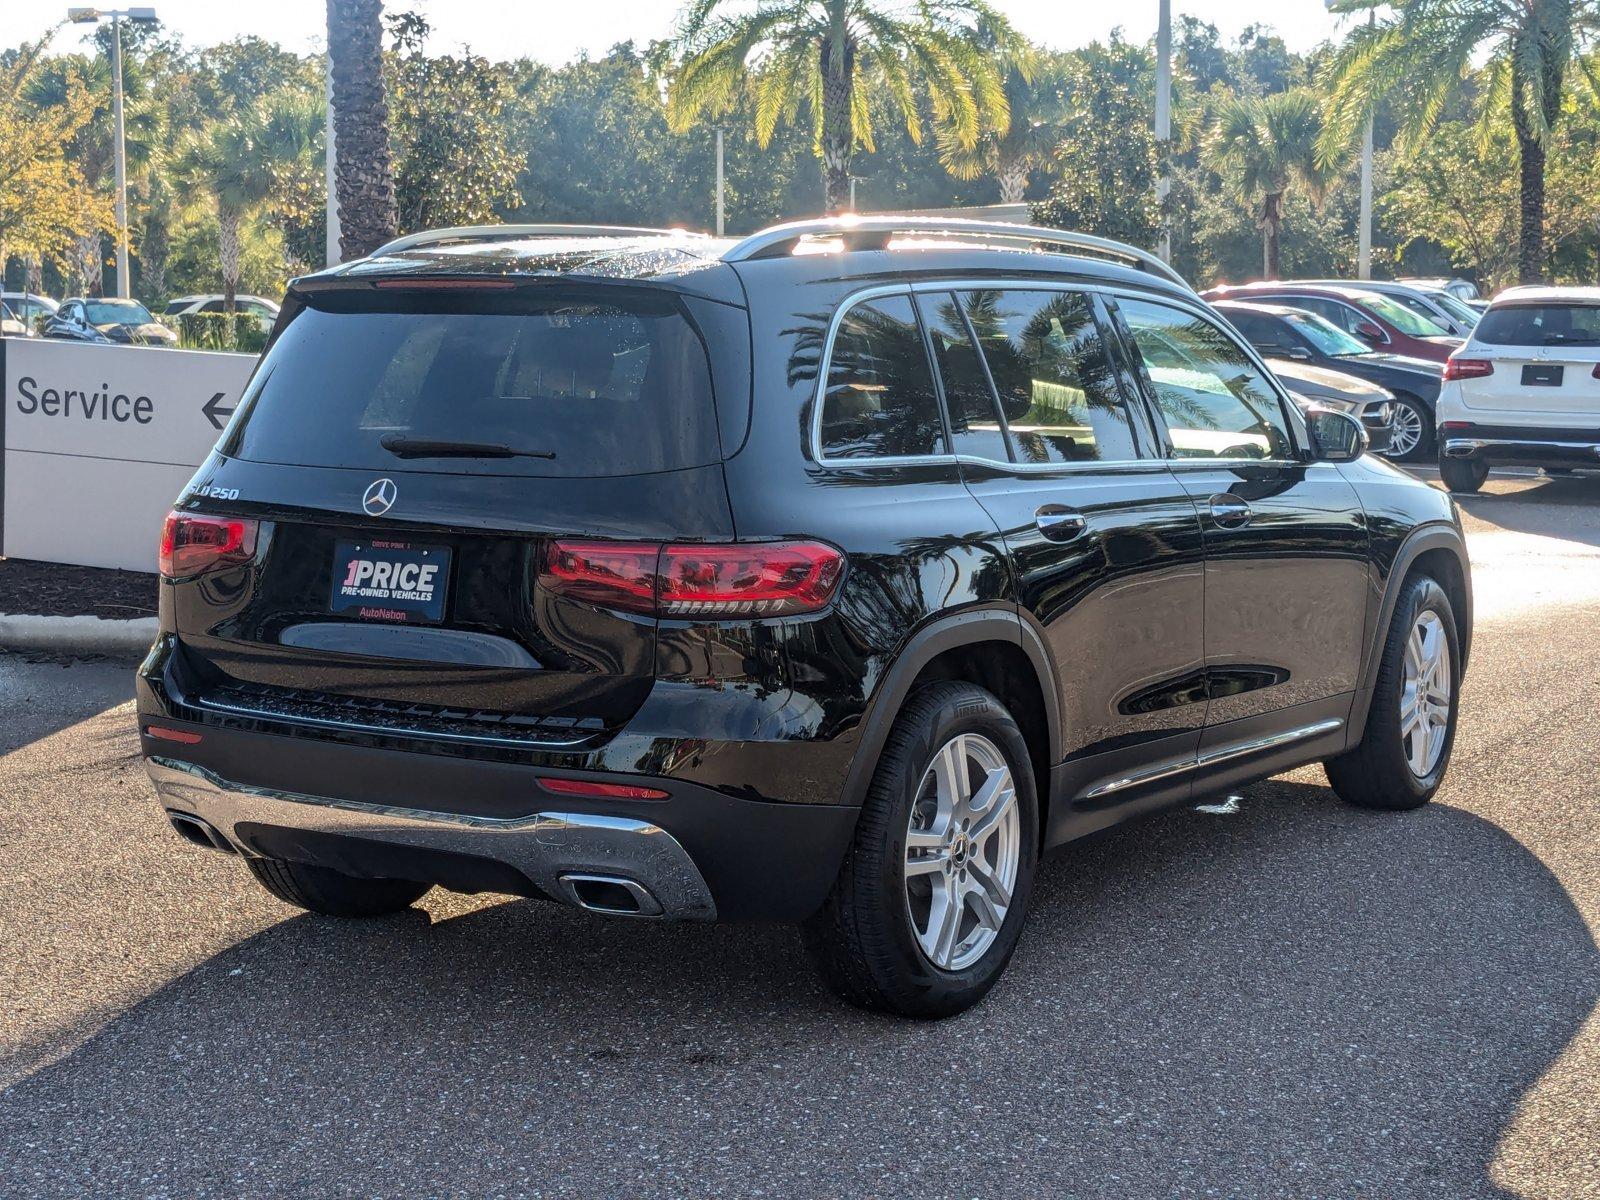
x: 780, y: 239
x: 501, y: 233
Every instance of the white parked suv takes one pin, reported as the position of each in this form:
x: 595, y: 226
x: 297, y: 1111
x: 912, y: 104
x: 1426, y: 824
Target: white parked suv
x: 1525, y: 389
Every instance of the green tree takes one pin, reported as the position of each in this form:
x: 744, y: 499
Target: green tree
x: 1416, y: 60
x: 453, y: 162
x: 1034, y: 103
x: 240, y: 165
x: 1266, y: 145
x: 1105, y: 161
x: 363, y: 171
x: 820, y: 53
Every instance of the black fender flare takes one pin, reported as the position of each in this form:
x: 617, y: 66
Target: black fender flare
x: 966, y: 628
x: 1440, y: 535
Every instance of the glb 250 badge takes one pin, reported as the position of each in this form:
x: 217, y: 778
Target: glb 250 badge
x: 217, y: 493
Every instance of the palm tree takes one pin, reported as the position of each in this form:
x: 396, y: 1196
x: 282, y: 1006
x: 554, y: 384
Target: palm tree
x: 1035, y: 104
x: 1269, y: 144
x: 363, y: 173
x: 821, y: 53
x: 1416, y: 59
x: 239, y: 164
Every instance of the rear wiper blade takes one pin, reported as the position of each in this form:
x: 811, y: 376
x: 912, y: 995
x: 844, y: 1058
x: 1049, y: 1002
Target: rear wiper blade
x: 410, y: 447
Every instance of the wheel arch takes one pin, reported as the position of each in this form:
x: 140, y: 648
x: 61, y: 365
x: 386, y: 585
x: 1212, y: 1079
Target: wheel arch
x: 990, y: 647
x: 1440, y: 550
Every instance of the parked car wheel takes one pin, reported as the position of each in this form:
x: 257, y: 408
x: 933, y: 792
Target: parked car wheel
x: 1410, y: 430
x: 1464, y: 475
x: 930, y: 901
x: 333, y: 893
x: 1411, y: 726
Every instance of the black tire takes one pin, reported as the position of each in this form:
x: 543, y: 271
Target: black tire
x: 1464, y: 475
x: 1376, y: 773
x: 862, y: 940
x: 333, y: 893
x: 1423, y: 450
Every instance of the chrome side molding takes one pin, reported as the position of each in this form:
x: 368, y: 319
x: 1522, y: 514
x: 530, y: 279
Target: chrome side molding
x: 1212, y: 757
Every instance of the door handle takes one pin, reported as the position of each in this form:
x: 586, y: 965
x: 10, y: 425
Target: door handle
x: 1059, y: 523
x: 1229, y: 511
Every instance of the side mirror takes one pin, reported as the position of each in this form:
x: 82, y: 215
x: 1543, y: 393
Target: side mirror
x: 1369, y: 332
x: 1336, y: 436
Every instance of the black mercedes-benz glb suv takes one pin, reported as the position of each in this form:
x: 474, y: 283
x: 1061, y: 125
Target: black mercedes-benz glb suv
x: 827, y: 576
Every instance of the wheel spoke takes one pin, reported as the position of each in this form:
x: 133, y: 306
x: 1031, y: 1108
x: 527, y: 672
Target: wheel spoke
x: 989, y: 915
x: 950, y: 778
x: 927, y: 864
x: 1002, y: 799
x: 989, y: 884
x: 944, y: 923
x: 923, y: 839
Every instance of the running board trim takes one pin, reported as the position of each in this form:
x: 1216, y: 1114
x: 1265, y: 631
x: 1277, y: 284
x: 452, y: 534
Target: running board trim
x: 1212, y: 757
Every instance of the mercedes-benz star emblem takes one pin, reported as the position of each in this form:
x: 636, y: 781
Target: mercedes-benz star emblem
x: 380, y: 497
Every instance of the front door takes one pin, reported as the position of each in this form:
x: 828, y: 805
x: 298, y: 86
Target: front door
x: 1287, y: 577
x: 1104, y: 539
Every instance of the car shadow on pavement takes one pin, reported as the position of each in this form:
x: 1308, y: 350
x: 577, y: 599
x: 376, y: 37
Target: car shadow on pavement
x: 1566, y: 507
x: 1296, y: 999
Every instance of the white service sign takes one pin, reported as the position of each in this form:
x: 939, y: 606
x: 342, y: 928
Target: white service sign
x: 99, y: 441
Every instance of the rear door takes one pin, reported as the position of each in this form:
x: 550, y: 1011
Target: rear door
x: 1104, y: 541
x: 1545, y: 358
x: 1286, y: 568
x: 414, y: 457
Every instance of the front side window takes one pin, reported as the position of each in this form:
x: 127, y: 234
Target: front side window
x: 1216, y: 402
x: 880, y: 401
x: 1056, y: 383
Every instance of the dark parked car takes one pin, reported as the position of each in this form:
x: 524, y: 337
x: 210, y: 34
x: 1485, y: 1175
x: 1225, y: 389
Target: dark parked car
x: 122, y: 322
x: 1280, y: 331
x: 825, y: 576
x: 1380, y: 321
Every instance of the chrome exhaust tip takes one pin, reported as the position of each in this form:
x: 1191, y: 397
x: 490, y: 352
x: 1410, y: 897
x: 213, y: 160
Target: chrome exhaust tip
x: 610, y: 894
x: 202, y: 833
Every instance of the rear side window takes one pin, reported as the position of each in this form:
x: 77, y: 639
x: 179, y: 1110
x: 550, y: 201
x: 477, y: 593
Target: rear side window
x: 1540, y: 325
x: 974, y: 420
x: 1055, y: 380
x: 880, y: 401
x: 583, y: 384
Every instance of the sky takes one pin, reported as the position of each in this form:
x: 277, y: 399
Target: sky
x: 555, y: 31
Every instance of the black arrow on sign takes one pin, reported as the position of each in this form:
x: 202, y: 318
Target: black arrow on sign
x: 215, y: 413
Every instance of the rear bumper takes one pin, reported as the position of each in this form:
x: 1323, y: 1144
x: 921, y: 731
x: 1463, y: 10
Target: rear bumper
x: 474, y: 826
x: 1525, y: 449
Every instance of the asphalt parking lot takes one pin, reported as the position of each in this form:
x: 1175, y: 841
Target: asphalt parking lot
x: 1297, y: 999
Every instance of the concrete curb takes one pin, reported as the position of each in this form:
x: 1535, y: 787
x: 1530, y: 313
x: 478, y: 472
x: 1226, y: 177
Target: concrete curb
x: 78, y: 635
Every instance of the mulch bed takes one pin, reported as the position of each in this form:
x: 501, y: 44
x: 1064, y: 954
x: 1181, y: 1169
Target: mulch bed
x: 58, y: 590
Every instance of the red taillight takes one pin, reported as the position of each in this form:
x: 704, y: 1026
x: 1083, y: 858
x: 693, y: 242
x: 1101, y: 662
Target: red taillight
x: 745, y: 579
x: 1454, y: 426
x: 1467, y: 368
x: 600, y: 791
x: 193, y: 545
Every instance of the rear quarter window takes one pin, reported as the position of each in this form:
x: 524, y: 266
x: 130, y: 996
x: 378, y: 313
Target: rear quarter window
x: 603, y: 384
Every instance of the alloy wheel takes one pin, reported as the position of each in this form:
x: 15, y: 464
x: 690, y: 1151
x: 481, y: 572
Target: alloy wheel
x: 1405, y: 430
x: 1425, y: 696
x: 963, y: 849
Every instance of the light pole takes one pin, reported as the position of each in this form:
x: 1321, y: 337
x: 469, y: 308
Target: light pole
x: 719, y: 183
x: 93, y: 16
x: 1164, y: 123
x: 1364, y: 230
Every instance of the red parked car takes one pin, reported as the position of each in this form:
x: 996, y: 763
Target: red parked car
x: 1377, y: 320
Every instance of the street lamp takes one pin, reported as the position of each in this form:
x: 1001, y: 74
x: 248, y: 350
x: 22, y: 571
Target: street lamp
x: 93, y: 16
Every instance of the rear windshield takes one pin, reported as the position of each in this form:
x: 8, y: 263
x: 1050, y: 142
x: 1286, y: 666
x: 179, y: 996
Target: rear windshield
x: 576, y: 384
x: 1540, y: 325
